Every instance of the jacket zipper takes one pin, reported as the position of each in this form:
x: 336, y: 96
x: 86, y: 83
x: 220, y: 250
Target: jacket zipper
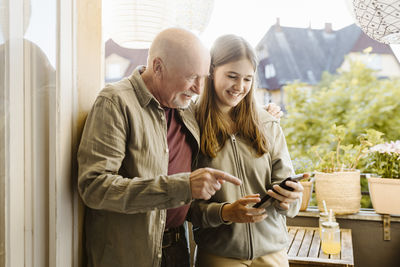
x: 242, y: 190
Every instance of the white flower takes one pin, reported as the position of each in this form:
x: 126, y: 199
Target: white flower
x: 381, y: 148
x: 389, y: 148
x: 395, y: 146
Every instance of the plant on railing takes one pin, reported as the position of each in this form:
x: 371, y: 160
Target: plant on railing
x: 384, y: 159
x: 340, y: 157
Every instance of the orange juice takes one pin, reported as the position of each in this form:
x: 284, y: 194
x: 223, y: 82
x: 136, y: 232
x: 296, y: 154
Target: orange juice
x: 330, y: 247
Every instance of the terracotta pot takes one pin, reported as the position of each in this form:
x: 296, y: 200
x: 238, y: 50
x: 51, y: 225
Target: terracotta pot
x: 385, y: 195
x: 308, y: 188
x: 340, y: 190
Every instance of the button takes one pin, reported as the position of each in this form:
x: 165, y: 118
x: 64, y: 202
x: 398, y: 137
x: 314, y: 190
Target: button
x: 162, y: 222
x: 159, y: 255
x: 166, y: 150
x: 182, y: 203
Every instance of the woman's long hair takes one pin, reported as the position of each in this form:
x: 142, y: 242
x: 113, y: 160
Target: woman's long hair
x: 215, y: 131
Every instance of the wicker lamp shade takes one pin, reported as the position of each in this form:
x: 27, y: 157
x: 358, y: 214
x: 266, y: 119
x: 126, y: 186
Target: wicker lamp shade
x: 134, y: 23
x: 379, y: 19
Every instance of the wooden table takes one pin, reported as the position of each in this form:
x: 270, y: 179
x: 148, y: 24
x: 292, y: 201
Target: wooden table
x: 305, y: 248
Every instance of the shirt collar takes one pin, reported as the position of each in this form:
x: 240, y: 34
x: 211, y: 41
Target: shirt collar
x: 143, y: 94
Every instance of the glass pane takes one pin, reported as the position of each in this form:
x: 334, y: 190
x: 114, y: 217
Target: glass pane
x: 3, y: 116
x: 39, y: 85
x: 27, y: 66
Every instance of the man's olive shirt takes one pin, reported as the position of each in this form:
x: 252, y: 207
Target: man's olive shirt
x: 123, y: 166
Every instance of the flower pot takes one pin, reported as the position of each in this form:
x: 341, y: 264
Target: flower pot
x: 385, y: 195
x: 340, y: 190
x: 308, y: 188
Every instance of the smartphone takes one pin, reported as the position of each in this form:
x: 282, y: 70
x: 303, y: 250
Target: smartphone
x: 264, y: 201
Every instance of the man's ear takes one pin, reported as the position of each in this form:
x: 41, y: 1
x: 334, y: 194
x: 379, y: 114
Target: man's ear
x: 158, y: 66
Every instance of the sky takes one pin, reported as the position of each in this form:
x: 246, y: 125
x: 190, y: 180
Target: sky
x: 251, y: 19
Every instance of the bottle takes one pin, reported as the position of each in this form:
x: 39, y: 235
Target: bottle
x: 324, y: 217
x: 330, y: 237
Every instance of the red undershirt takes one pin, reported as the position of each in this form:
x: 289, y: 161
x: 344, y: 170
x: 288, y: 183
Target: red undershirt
x: 180, y: 143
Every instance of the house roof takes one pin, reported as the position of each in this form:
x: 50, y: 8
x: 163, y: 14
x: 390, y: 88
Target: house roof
x: 135, y: 56
x: 304, y: 54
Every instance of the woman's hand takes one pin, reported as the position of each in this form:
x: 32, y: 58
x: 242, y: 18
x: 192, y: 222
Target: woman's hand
x: 285, y: 197
x: 239, y: 212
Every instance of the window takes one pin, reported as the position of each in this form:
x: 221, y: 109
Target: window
x: 269, y: 71
x: 36, y: 203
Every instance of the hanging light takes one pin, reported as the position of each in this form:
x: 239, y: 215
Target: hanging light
x: 379, y: 19
x: 134, y: 23
x: 193, y: 14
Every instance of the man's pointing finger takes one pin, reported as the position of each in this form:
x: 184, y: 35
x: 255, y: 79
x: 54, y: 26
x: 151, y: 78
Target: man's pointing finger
x: 220, y: 175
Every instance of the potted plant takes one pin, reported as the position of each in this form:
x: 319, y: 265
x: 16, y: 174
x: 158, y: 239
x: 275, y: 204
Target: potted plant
x: 384, y: 190
x: 337, y: 179
x: 303, y: 166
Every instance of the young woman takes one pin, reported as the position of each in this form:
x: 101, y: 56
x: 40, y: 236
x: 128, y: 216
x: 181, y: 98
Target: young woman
x: 246, y: 141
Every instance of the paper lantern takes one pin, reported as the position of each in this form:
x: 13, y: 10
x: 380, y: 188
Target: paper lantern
x: 379, y: 19
x: 134, y: 23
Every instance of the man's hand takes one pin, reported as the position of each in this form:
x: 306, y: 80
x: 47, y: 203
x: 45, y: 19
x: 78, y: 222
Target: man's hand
x: 274, y: 110
x: 205, y: 182
x: 239, y: 212
x: 285, y: 197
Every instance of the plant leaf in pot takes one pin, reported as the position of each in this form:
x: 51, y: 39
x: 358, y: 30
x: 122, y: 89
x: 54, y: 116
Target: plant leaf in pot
x: 337, y: 179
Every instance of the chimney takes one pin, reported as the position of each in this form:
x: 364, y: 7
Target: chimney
x: 278, y: 25
x: 328, y: 27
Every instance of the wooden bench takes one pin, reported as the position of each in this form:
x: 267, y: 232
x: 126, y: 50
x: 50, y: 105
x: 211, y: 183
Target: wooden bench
x: 305, y: 248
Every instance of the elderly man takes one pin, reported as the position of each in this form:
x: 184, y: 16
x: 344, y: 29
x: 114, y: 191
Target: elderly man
x: 135, y: 159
